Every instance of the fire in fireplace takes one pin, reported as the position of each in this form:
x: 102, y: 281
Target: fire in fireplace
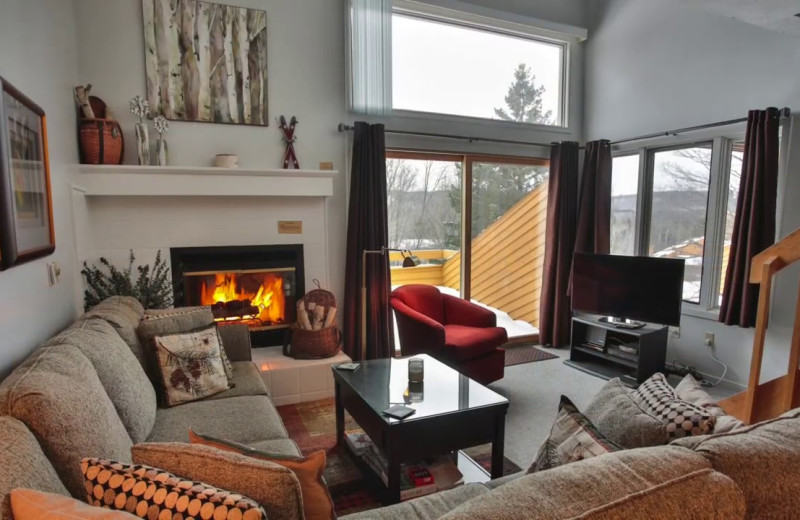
x: 255, y: 296
x: 256, y: 285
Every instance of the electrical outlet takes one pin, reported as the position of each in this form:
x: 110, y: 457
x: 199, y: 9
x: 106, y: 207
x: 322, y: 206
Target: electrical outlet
x: 675, y: 332
x: 709, y: 340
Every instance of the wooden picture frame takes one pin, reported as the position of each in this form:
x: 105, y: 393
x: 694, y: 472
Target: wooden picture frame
x: 26, y: 203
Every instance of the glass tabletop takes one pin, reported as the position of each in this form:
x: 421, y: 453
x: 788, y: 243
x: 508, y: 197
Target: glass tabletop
x: 384, y: 382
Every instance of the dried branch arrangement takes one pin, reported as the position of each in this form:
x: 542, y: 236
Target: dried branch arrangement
x: 152, y: 286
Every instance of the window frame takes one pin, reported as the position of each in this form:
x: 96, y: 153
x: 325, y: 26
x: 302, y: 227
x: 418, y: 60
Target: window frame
x: 722, y: 140
x: 502, y: 27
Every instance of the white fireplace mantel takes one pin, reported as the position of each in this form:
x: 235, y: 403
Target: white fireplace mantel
x: 202, y: 181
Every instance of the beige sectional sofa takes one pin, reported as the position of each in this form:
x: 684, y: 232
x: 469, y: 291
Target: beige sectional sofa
x: 85, y: 392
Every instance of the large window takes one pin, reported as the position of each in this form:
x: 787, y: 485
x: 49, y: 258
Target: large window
x: 506, y: 198
x: 450, y: 67
x: 679, y: 201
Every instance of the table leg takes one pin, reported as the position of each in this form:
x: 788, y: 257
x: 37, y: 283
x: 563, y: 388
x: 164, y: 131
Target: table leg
x: 393, y: 472
x: 498, y: 445
x: 339, y: 413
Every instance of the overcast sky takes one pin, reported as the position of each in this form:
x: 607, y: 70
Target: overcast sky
x: 447, y: 69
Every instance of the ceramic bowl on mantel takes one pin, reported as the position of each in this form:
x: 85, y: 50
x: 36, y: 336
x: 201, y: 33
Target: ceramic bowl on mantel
x: 226, y: 160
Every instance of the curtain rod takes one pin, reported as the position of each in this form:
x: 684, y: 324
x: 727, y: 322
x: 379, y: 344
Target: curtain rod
x: 346, y: 128
x: 784, y: 112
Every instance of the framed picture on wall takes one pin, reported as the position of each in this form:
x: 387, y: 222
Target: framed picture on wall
x: 26, y: 209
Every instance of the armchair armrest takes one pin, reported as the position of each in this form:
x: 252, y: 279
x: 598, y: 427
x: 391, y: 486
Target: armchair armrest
x: 236, y: 341
x: 458, y: 311
x: 418, y: 333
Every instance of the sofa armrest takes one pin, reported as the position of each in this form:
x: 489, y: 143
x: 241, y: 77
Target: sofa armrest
x: 418, y: 333
x: 496, y: 483
x: 236, y: 341
x: 458, y: 311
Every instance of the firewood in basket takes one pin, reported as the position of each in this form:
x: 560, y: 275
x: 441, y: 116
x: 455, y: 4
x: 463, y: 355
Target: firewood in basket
x: 329, y: 319
x: 82, y: 97
x: 302, y: 316
x: 317, y: 317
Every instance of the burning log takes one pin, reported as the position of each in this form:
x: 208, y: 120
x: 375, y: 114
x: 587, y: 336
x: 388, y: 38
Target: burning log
x: 235, y: 309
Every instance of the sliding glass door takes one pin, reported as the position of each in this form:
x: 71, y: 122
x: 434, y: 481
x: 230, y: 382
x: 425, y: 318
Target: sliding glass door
x: 485, y: 242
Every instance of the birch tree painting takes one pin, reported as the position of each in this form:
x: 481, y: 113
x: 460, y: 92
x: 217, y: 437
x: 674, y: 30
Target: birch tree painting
x: 206, y: 62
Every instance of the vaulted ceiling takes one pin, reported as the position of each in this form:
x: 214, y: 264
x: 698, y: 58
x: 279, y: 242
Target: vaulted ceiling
x: 776, y: 15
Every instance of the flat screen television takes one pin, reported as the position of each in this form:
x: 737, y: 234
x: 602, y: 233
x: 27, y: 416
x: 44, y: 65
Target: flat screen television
x: 636, y: 288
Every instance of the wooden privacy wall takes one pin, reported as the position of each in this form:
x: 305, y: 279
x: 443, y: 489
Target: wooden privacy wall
x: 507, y: 261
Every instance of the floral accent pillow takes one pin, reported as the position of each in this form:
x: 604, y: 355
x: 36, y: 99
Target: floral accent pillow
x: 191, y: 365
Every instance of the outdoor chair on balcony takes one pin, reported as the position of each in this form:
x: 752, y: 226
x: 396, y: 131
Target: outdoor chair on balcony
x: 455, y: 331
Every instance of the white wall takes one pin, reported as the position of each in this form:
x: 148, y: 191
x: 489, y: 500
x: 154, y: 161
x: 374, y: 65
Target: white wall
x: 306, y: 67
x: 39, y: 58
x: 652, y: 67
x: 305, y: 53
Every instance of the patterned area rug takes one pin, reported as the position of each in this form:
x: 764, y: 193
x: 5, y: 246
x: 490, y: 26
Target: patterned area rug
x: 312, y: 426
x: 525, y: 353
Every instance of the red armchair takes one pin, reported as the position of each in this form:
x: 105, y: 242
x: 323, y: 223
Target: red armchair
x: 455, y: 331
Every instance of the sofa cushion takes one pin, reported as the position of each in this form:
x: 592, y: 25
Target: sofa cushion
x: 274, y: 487
x: 164, y: 322
x: 122, y: 377
x: 286, y: 447
x: 572, y: 438
x: 124, y: 314
x: 153, y: 493
x: 620, y: 419
x: 462, y: 343
x: 244, y: 419
x: 625, y: 484
x: 246, y: 380
x: 683, y: 419
x: 190, y: 365
x: 763, y: 459
x: 19, y: 449
x: 59, y: 397
x: 427, y: 507
x: 29, y: 504
x: 317, y: 501
x: 691, y: 391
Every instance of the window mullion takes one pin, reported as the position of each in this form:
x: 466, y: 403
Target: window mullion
x: 644, y: 202
x: 715, y: 223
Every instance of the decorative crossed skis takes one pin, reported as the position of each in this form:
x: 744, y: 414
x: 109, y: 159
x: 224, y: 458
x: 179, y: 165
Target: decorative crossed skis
x: 288, y: 136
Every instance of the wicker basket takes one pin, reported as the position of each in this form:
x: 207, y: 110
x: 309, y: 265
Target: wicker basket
x: 315, y: 344
x: 101, y: 141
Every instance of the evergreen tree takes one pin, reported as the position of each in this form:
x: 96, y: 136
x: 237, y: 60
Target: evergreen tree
x: 524, y: 99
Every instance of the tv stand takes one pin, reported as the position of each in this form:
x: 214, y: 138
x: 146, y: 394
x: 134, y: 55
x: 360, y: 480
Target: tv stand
x: 622, y: 323
x: 606, y: 350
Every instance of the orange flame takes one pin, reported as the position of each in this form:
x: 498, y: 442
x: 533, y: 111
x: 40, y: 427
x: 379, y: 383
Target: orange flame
x: 268, y: 296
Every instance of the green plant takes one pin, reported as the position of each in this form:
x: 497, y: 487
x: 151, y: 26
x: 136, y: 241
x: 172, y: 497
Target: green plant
x: 152, y: 286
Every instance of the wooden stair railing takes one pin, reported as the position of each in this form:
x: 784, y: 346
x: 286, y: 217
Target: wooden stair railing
x: 762, y: 401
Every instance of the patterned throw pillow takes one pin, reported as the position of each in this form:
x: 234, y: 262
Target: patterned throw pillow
x: 191, y: 365
x: 151, y: 493
x: 317, y: 501
x: 656, y: 397
x: 691, y: 391
x: 572, y: 438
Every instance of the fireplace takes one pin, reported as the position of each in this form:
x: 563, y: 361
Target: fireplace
x: 256, y: 285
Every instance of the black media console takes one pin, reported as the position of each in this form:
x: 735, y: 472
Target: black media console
x: 608, y: 351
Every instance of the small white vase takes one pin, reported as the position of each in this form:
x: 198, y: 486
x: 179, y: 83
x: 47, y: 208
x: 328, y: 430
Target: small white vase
x: 142, y: 144
x: 162, y: 152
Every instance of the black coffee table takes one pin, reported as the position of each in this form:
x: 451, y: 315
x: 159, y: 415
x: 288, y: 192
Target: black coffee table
x: 454, y: 413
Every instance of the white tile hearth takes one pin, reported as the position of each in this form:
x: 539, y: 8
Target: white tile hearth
x: 292, y: 381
